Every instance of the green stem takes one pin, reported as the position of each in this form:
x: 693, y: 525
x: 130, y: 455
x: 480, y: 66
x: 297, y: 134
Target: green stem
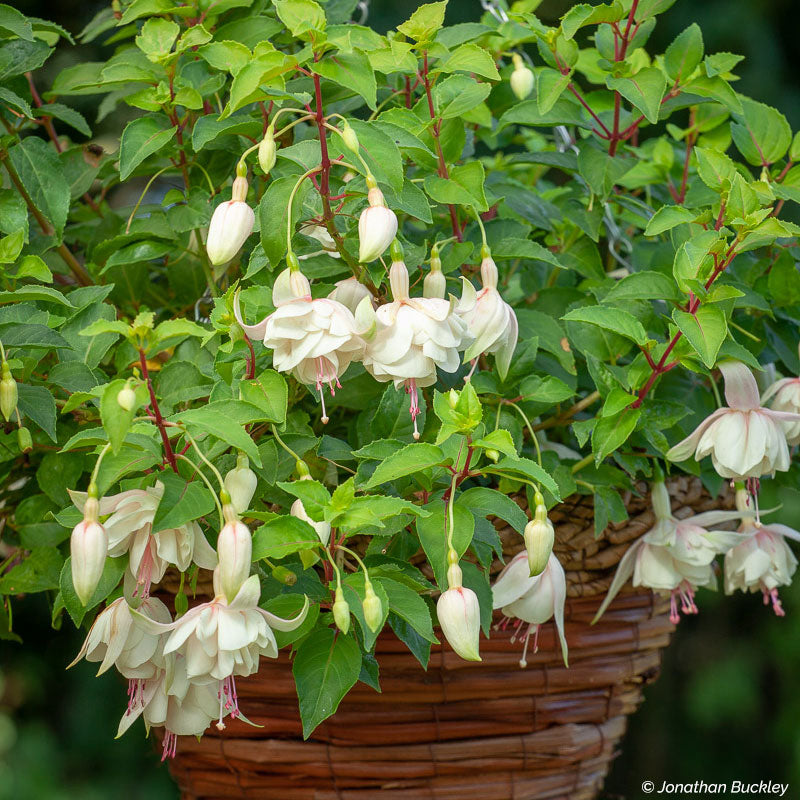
x: 93, y: 478
x: 200, y: 453
x: 450, y: 512
x: 284, y: 445
x: 530, y: 428
x: 305, y: 175
x: 207, y: 483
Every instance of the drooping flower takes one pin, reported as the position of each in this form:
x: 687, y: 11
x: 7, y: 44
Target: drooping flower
x: 785, y: 396
x: 459, y: 615
x: 414, y: 336
x: 115, y: 640
x: 316, y: 339
x: 763, y: 561
x: 130, y: 530
x: 745, y: 440
x: 231, y: 223
x: 489, y: 319
x: 235, y: 551
x: 377, y: 225
x: 88, y: 547
x: 322, y: 528
x: 674, y: 557
x: 532, y: 598
x: 240, y: 484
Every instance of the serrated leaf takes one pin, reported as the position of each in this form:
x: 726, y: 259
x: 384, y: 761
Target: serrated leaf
x: 645, y: 90
x: 142, y: 138
x: 612, y: 319
x: 412, y: 458
x: 705, y: 330
x: 181, y: 502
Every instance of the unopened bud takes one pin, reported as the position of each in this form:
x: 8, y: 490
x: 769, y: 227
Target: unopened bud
x: 539, y: 537
x: 349, y: 138
x: 341, y: 611
x: 88, y: 546
x: 373, y: 609
x: 284, y: 575
x: 522, y: 79
x: 231, y: 224
x: 308, y: 558
x: 126, y: 398
x: 24, y: 441
x: 8, y: 392
x: 460, y: 620
x: 240, y: 483
x: 435, y: 283
x: 492, y: 455
x: 235, y: 551
x: 302, y: 470
x: 452, y: 398
x: 267, y: 151
x: 377, y: 226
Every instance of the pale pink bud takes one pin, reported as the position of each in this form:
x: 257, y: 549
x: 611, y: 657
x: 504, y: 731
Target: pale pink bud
x: 377, y: 227
x: 240, y: 483
x: 230, y: 226
x: 460, y: 619
x: 88, y: 547
x: 235, y: 551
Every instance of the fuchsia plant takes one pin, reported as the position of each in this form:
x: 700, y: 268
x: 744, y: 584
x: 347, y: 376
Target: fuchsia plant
x: 493, y: 260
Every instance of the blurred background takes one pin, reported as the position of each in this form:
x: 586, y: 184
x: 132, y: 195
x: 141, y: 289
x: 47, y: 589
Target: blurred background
x: 726, y: 705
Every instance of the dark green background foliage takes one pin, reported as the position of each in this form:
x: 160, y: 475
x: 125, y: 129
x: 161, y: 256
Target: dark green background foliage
x: 725, y: 707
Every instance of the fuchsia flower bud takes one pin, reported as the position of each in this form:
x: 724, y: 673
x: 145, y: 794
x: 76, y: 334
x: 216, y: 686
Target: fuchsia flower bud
x: 240, y: 483
x: 377, y: 225
x: 460, y: 615
x: 8, y: 393
x: 88, y: 547
x: 522, y: 78
x: 235, y: 550
x: 231, y: 224
x: 267, y: 151
x: 539, y: 538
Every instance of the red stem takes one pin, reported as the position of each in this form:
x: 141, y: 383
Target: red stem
x: 169, y: 455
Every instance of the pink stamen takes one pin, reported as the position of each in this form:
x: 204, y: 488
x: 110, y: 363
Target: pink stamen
x: 325, y: 374
x: 674, y: 616
x: 228, y: 701
x: 469, y: 375
x: 170, y: 746
x: 144, y: 577
x: 523, y: 662
x: 771, y: 596
x: 135, y: 694
x: 414, y: 409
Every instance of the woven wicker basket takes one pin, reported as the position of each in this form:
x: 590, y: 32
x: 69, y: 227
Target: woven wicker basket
x: 488, y: 729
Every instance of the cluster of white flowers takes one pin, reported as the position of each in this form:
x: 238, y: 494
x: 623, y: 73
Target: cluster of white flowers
x: 404, y: 341
x: 181, y: 673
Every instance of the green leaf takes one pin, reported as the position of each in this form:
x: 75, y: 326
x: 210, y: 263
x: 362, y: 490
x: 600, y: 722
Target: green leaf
x: 784, y: 281
x: 491, y: 503
x: 181, y: 502
x: 10, y: 246
x: 585, y: 14
x: 225, y: 56
x: 459, y: 94
x: 463, y: 187
x: 425, y: 22
x: 351, y: 70
x: 20, y: 334
x: 381, y: 153
x: 222, y: 427
x: 268, y: 392
x: 685, y: 53
x: 142, y: 138
x: 412, y: 458
x: 41, y: 173
x: 612, y: 432
x: 645, y: 285
x: 500, y: 440
x: 33, y: 267
x: 761, y: 133
x: 326, y: 666
x: 14, y: 23
x: 37, y: 572
x: 209, y: 127
x: 692, y: 258
x: 112, y: 573
x: 645, y: 90
x: 529, y: 469
x: 612, y: 319
x: 668, y: 217
x: 157, y: 37
x: 471, y: 57
x: 600, y: 170
x: 283, y: 536
x: 705, y: 330
x: 432, y: 531
x: 301, y: 17
x: 116, y: 420
x: 550, y: 85
x: 273, y: 215
x: 408, y: 605
x: 21, y: 105
x: 714, y: 168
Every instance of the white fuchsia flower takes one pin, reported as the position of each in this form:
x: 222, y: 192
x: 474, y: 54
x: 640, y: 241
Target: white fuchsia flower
x: 459, y: 615
x: 744, y: 440
x: 240, y: 484
x: 490, y: 320
x: 231, y: 223
x: 350, y: 292
x: 130, y: 530
x: 88, y: 546
x: 533, y: 599
x: 763, y: 561
x: 322, y: 528
x: 116, y: 640
x: 414, y: 336
x: 377, y: 225
x: 320, y: 234
x: 785, y: 396
x: 675, y: 556
x: 316, y: 339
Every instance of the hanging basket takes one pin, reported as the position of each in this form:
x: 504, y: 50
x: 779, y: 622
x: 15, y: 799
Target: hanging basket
x: 488, y: 729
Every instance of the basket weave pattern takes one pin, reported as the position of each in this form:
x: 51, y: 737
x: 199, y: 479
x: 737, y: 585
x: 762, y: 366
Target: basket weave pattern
x: 488, y: 729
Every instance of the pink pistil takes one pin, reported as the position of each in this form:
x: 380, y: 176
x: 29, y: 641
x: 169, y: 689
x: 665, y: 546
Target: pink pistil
x: 144, y: 577
x: 135, y: 694
x: 411, y: 389
x: 685, y: 592
x: 170, y: 745
x: 325, y: 374
x: 532, y: 628
x: 469, y: 375
x: 228, y: 701
x: 771, y: 596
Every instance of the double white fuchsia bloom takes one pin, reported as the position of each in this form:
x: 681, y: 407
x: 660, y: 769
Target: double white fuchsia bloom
x: 414, y: 336
x: 489, y: 319
x: 130, y: 530
x: 231, y: 223
x: 532, y: 599
x: 745, y: 440
x: 675, y: 556
x: 785, y: 396
x: 316, y: 339
x: 763, y: 561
